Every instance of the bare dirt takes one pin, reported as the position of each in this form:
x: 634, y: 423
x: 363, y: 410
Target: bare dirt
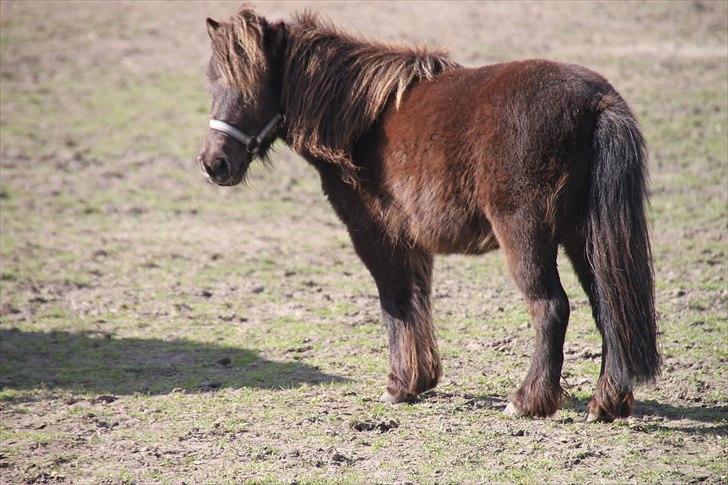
x: 155, y: 328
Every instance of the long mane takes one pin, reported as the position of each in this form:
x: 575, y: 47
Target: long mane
x: 335, y: 86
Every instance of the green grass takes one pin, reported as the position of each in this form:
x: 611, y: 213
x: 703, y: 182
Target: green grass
x: 236, y: 328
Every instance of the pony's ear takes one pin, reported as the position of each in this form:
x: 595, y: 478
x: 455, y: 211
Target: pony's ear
x: 275, y: 37
x: 247, y: 11
x: 212, y: 26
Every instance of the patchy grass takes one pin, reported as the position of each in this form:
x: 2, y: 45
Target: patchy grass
x: 154, y: 328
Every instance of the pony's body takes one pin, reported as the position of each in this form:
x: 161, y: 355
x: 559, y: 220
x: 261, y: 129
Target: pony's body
x: 458, y: 150
x: 420, y: 156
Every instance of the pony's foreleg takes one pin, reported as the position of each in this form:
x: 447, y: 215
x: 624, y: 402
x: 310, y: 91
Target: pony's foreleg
x: 405, y: 301
x: 403, y: 276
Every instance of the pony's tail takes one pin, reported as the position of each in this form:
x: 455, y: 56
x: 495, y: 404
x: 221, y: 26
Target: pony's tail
x: 619, y: 246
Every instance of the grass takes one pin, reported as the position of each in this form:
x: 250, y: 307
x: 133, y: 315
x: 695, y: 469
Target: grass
x: 155, y: 328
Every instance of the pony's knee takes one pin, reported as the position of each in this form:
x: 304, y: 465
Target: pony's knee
x: 550, y: 312
x: 558, y: 307
x: 395, y: 308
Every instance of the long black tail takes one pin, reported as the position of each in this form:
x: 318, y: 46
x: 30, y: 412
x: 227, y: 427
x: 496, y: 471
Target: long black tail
x: 619, y: 246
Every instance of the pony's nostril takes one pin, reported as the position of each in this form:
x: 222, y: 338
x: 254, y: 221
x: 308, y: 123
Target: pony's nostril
x: 219, y: 169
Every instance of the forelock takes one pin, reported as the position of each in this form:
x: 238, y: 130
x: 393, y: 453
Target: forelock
x: 238, y: 56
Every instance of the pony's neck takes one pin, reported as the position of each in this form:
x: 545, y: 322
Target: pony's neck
x: 333, y: 87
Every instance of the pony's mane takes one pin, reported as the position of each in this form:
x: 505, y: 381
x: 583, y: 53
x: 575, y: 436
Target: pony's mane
x: 336, y: 85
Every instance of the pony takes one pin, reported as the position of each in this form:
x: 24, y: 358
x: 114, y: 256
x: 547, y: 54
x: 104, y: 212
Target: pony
x: 419, y: 155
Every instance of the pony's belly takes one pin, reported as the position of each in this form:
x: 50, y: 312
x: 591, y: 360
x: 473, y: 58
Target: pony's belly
x: 448, y: 233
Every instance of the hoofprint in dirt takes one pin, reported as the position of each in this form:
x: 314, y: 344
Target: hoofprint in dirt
x: 156, y: 328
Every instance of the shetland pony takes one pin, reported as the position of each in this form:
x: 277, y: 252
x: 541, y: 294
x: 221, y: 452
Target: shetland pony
x: 421, y: 156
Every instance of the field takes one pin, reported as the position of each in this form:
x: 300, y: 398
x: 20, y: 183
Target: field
x: 157, y: 328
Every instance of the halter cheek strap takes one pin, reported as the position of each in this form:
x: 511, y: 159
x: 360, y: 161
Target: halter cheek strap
x: 251, y: 143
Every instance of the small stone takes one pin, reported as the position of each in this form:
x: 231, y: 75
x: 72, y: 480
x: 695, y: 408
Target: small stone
x: 299, y: 350
x: 385, y: 426
x: 210, y: 386
x: 340, y: 458
x: 363, y: 425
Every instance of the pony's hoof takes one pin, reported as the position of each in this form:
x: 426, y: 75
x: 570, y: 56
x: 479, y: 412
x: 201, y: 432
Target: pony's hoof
x: 512, y: 410
x: 390, y: 398
x: 598, y: 418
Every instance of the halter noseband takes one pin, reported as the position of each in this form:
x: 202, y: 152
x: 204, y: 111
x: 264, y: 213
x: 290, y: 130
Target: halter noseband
x: 251, y: 143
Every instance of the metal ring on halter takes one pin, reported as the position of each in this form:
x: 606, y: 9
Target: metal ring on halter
x: 253, y: 145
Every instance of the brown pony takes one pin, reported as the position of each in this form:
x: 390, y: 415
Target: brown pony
x: 421, y: 156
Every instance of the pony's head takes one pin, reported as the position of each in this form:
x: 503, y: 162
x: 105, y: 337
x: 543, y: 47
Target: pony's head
x: 245, y: 94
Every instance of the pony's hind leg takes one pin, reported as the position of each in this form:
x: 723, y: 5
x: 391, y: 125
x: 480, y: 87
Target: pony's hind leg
x: 531, y: 255
x: 610, y: 401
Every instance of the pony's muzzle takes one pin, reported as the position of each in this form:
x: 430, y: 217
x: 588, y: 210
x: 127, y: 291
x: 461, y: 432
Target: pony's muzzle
x: 216, y: 169
x: 223, y: 159
x: 219, y: 169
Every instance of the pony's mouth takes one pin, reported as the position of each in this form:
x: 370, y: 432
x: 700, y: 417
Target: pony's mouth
x: 228, y: 181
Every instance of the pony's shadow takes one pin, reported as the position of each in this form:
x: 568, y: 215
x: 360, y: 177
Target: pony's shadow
x: 657, y: 416
x: 96, y: 363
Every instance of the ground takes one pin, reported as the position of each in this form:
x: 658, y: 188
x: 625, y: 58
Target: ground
x: 156, y: 328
